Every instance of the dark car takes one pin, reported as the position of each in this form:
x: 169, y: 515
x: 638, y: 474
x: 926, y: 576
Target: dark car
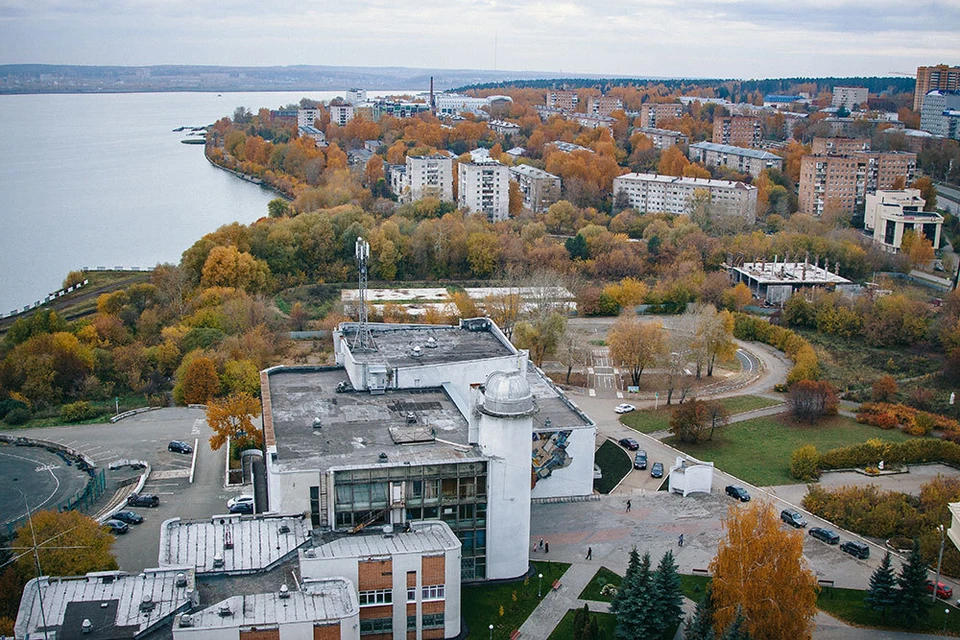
x: 656, y: 471
x: 826, y: 535
x: 793, y: 518
x: 143, y: 500
x: 738, y: 492
x: 128, y: 516
x: 241, y: 507
x: 640, y: 460
x: 179, y: 446
x: 944, y: 592
x: 116, y: 527
x: 629, y: 443
x: 856, y: 549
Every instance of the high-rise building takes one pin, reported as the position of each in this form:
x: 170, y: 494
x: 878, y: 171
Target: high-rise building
x: 938, y: 111
x: 939, y: 77
x: 652, y: 114
x: 429, y: 177
x: 841, y: 182
x: 484, y: 187
x: 739, y: 131
x: 850, y: 97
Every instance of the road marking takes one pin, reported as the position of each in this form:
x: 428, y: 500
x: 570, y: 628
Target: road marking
x: 197, y: 425
x: 593, y: 392
x: 46, y: 467
x: 620, y: 394
x: 170, y: 474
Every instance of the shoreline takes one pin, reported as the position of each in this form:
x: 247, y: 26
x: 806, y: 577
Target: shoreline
x: 260, y: 182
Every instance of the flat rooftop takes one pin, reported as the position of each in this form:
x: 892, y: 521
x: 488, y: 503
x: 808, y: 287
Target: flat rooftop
x: 327, y: 600
x: 789, y: 273
x: 258, y: 542
x: 111, y: 600
x: 424, y: 537
x: 411, y: 426
x: 736, y: 151
x: 553, y: 405
x: 395, y: 344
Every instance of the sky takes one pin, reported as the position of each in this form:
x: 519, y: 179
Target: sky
x: 691, y: 38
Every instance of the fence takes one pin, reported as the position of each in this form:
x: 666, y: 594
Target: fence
x: 39, y: 303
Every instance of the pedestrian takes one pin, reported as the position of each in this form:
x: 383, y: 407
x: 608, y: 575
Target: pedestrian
x: 534, y: 547
x: 541, y: 544
x: 628, y: 506
x: 589, y: 553
x: 546, y: 547
x: 680, y: 540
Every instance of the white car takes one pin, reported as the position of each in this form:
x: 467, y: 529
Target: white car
x: 625, y: 408
x: 240, y: 504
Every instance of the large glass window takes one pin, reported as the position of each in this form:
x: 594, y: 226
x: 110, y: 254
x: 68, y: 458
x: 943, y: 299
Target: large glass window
x: 375, y: 596
x: 433, y: 620
x: 372, y: 626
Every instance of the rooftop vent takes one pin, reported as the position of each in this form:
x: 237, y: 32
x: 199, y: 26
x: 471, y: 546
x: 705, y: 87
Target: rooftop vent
x: 284, y: 592
x: 383, y: 457
x: 181, y: 579
x: 147, y: 604
x: 224, y: 611
x: 217, y: 561
x: 86, y: 626
x: 431, y: 343
x: 283, y: 529
x: 310, y: 553
x: 317, y: 423
x: 411, y: 417
x: 416, y: 352
x: 186, y: 620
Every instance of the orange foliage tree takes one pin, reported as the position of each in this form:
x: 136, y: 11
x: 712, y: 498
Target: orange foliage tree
x: 232, y: 417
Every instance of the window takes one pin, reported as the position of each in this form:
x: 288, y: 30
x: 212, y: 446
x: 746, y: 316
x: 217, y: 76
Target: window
x: 411, y: 623
x: 433, y: 620
x: 376, y: 625
x: 411, y: 594
x: 376, y: 596
x: 433, y: 592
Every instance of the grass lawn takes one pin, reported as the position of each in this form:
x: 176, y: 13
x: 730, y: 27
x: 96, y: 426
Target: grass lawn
x: 649, y: 421
x: 847, y: 605
x: 518, y: 600
x: 758, y: 450
x: 614, y: 463
x: 693, y: 586
x: 606, y: 621
x: 602, y: 577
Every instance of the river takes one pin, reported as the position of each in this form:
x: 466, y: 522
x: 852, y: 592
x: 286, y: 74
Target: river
x: 102, y: 180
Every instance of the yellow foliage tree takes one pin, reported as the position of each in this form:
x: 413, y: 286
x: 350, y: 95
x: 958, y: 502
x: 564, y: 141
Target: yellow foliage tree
x: 672, y: 162
x: 760, y: 570
x: 232, y: 417
x: 636, y: 345
x: 69, y: 544
x: 695, y: 171
x: 230, y: 267
x: 200, y: 381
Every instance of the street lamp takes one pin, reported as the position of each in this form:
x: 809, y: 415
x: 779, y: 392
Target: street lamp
x: 946, y: 612
x: 943, y: 540
x: 491, y: 632
x: 540, y: 585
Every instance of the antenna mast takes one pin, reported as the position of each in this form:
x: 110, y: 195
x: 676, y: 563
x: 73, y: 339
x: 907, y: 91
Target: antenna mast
x: 363, y: 341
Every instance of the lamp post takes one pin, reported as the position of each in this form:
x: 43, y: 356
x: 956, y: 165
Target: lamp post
x: 946, y: 613
x: 491, y: 632
x: 539, y: 585
x: 943, y: 539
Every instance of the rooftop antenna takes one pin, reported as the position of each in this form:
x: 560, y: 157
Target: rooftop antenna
x: 363, y: 341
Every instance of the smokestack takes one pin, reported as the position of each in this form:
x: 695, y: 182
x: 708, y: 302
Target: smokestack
x: 433, y: 105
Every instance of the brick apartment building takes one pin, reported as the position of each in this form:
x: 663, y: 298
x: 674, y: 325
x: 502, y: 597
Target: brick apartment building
x: 652, y: 114
x: 842, y: 182
x: 939, y: 77
x: 739, y: 131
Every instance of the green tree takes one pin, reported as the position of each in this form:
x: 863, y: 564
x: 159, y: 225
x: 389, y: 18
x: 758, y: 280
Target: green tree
x: 882, y: 594
x: 541, y: 335
x: 667, y: 609
x: 577, y: 247
x: 633, y: 601
x: 912, y: 599
x: 737, y: 629
x: 278, y: 208
x: 700, y: 625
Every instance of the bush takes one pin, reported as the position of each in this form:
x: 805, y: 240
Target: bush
x: 812, y: 400
x: 8, y: 405
x: 803, y: 463
x: 805, y: 365
x: 909, y: 452
x: 885, y: 389
x: 78, y: 411
x: 17, y: 416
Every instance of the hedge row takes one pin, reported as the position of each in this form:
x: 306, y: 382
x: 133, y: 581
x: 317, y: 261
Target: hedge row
x: 908, y: 452
x: 805, y: 365
x: 913, y: 421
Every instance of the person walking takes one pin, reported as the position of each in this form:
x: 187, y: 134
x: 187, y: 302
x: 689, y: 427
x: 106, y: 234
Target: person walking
x: 541, y: 544
x: 680, y: 540
x: 628, y: 506
x: 534, y: 550
x: 546, y: 547
x: 589, y: 553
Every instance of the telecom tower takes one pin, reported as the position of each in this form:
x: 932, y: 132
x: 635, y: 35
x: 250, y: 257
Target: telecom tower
x: 363, y: 341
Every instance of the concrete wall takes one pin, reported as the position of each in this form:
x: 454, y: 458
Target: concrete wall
x: 576, y: 479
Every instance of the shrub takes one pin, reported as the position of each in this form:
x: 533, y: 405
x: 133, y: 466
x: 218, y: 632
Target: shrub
x: 16, y: 416
x: 8, y: 405
x: 805, y: 365
x: 77, y: 411
x: 885, y: 389
x: 811, y: 400
x: 803, y: 463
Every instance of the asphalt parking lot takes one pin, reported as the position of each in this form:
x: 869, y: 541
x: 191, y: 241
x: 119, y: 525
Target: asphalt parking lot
x: 145, y: 437
x: 45, y: 478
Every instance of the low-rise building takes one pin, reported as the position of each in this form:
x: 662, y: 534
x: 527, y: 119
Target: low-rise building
x: 888, y: 214
x: 588, y: 121
x: 652, y: 193
x: 539, y: 188
x: 663, y: 139
x: 484, y: 187
x: 779, y: 101
x: 739, y: 131
x: 453, y: 104
x: 752, y: 161
x: 776, y: 281
x: 850, y: 98
x: 319, y: 137
x: 503, y: 127
x: 652, y: 114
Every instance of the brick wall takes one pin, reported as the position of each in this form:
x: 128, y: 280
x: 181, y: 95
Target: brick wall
x: 375, y: 574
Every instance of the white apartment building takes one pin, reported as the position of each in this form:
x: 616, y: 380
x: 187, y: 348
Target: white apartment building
x: 935, y: 114
x: 356, y: 96
x: 341, y: 114
x: 752, y: 161
x: 890, y: 213
x: 306, y: 117
x: 427, y: 177
x: 663, y: 139
x: 649, y: 193
x: 484, y: 187
x: 850, y: 98
x: 540, y: 189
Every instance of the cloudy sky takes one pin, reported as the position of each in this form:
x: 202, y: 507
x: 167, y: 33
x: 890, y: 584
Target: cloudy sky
x: 706, y: 38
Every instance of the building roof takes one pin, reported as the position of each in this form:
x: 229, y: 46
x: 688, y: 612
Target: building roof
x: 325, y: 600
x: 438, y: 343
x: 356, y: 427
x: 423, y: 537
x: 555, y: 410
x: 789, y: 273
x: 531, y: 172
x: 662, y: 132
x: 117, y: 604
x: 736, y: 151
x: 693, y: 182
x: 569, y: 147
x: 258, y: 542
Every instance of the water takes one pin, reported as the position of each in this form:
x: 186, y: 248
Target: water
x: 101, y: 180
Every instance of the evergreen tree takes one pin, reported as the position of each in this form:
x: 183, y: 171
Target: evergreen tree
x: 667, y: 607
x: 633, y: 600
x: 882, y: 593
x: 912, y: 600
x: 700, y: 625
x: 737, y: 629
x: 592, y: 631
x: 580, y: 619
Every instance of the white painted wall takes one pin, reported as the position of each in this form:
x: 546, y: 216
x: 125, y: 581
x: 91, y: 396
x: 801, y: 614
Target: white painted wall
x: 576, y: 479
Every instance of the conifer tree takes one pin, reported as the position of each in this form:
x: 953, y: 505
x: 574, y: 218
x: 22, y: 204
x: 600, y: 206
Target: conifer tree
x: 700, y: 625
x: 737, y: 629
x: 632, y: 602
x: 667, y: 607
x: 912, y: 600
x: 581, y: 621
x: 882, y: 594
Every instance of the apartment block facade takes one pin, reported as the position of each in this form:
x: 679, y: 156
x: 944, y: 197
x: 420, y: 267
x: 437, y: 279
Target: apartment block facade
x: 651, y: 193
x: 484, y: 187
x: 824, y: 146
x: 566, y: 100
x: 850, y: 98
x: 752, y: 161
x: 935, y: 114
x: 653, y: 113
x: 603, y: 105
x: 341, y: 114
x: 663, y: 139
x: 428, y: 177
x: 842, y: 182
x: 539, y: 188
x: 939, y: 77
x: 739, y: 131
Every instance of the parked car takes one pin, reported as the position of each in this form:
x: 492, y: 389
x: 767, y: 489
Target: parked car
x: 116, y: 527
x: 629, y: 443
x: 640, y: 460
x: 179, y: 446
x: 128, y: 517
x: 944, y: 591
x: 826, y: 535
x: 656, y: 471
x: 738, y: 492
x: 143, y: 500
x: 625, y: 408
x: 793, y: 518
x: 240, y: 504
x: 856, y: 549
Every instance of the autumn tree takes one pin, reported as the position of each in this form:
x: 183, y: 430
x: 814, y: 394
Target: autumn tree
x: 232, y: 418
x: 230, y: 267
x: 810, y: 400
x: 672, y: 162
x: 928, y: 191
x: 200, y: 381
x: 540, y: 335
x: 68, y: 544
x: 515, y: 196
x: 755, y: 555
x: 636, y: 345
x: 917, y: 247
x: 715, y: 335
x: 884, y: 389
x: 503, y: 308
x: 689, y: 421
x: 573, y: 351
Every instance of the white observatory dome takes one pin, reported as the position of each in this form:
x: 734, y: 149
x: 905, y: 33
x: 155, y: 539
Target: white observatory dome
x: 507, y: 393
